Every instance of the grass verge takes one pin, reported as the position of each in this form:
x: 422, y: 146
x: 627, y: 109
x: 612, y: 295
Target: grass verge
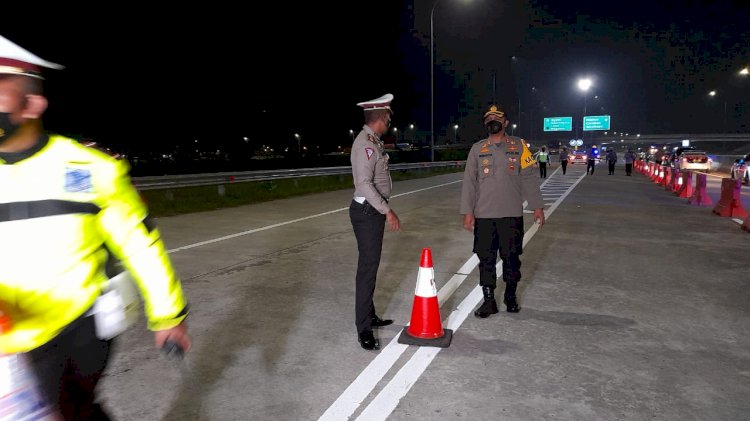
x: 172, y: 202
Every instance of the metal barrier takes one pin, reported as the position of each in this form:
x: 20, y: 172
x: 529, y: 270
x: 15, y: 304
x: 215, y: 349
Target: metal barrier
x: 192, y: 180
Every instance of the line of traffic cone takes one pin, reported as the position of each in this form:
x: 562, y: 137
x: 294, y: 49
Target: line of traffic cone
x: 426, y: 327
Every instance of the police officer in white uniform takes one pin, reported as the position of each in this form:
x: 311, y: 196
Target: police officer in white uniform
x: 369, y: 212
x: 498, y: 178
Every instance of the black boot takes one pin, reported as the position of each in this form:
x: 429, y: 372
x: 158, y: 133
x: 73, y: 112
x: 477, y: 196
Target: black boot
x: 511, y: 304
x: 489, y: 306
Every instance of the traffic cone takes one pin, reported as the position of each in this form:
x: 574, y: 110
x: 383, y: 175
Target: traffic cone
x: 426, y: 328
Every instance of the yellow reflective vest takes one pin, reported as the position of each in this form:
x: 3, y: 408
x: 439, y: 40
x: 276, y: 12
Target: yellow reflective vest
x: 61, y: 210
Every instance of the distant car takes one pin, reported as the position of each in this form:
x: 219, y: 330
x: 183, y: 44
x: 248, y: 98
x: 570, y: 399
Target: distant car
x: 741, y: 169
x: 577, y: 157
x: 676, y: 155
x: 694, y: 160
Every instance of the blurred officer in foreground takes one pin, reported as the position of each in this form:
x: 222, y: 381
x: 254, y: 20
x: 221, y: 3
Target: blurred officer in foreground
x: 369, y: 212
x: 498, y: 178
x: 64, y: 209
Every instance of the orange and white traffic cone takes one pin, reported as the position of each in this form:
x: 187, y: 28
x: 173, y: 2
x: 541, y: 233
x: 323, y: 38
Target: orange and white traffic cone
x: 426, y: 327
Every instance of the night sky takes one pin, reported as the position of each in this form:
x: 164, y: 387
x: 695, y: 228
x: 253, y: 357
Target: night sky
x: 140, y: 77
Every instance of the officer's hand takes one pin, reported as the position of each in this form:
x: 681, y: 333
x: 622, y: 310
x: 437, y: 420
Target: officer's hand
x: 539, y: 216
x: 177, y: 334
x: 392, y: 220
x: 469, y: 222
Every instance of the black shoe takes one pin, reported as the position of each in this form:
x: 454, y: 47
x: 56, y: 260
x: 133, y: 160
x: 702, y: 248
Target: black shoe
x: 367, y: 341
x: 489, y: 306
x: 378, y: 322
x: 511, y: 305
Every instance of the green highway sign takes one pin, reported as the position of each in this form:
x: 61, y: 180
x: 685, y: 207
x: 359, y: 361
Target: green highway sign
x: 558, y: 124
x: 596, y: 122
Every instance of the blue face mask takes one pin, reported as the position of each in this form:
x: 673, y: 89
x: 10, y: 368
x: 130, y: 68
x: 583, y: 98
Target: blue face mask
x: 7, y: 127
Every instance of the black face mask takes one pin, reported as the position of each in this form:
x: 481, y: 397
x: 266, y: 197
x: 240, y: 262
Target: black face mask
x: 7, y: 127
x: 494, y: 127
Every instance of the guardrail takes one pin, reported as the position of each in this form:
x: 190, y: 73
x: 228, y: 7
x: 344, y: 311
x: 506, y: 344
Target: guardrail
x: 192, y: 180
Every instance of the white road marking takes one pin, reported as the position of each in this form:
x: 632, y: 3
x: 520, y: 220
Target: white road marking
x: 386, y: 401
x: 358, y: 391
x: 281, y: 224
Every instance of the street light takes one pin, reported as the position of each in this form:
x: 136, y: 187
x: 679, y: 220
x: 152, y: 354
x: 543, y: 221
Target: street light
x: 432, y: 81
x: 298, y: 137
x: 455, y: 133
x: 744, y: 71
x: 351, y: 133
x: 513, y: 131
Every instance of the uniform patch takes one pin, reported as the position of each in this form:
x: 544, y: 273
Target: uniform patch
x: 371, y: 138
x: 512, y: 159
x: 77, y: 180
x: 512, y: 148
x: 486, y: 170
x: 511, y: 168
x: 484, y: 149
x: 369, y: 152
x: 485, y: 162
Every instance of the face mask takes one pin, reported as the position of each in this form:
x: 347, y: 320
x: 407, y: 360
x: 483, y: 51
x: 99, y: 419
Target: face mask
x: 494, y: 127
x: 7, y: 127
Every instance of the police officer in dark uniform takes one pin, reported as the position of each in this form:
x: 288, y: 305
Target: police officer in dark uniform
x: 498, y: 178
x: 369, y: 212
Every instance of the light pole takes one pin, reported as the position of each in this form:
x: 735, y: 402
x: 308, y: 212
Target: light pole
x: 411, y: 127
x: 712, y: 94
x: 513, y: 129
x: 298, y: 137
x: 455, y: 133
x: 351, y: 133
x: 584, y: 85
x: 432, y: 80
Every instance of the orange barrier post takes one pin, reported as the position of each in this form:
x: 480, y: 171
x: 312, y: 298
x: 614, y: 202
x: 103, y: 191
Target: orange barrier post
x: 426, y: 328
x: 685, y: 182
x: 667, y: 181
x: 659, y: 174
x: 730, y: 203
x: 699, y: 197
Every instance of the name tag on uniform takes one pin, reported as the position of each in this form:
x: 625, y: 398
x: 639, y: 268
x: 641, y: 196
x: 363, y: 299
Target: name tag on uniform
x: 77, y: 180
x: 485, y: 155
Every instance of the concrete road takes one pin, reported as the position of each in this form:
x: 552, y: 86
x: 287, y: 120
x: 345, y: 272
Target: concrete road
x: 633, y: 307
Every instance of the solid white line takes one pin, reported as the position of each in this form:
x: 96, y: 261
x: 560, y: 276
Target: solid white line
x: 383, y: 405
x: 281, y: 224
x: 386, y: 401
x: 739, y: 221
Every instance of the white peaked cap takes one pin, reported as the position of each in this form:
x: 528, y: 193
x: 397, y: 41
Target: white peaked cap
x: 19, y: 61
x: 382, y: 103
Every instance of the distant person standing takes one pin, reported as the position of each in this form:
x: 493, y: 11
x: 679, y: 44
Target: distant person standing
x: 590, y: 163
x: 629, y: 158
x: 369, y: 213
x: 564, y: 160
x: 542, y: 157
x: 611, y: 160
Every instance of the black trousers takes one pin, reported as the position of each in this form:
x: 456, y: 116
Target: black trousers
x: 503, y: 236
x: 628, y: 169
x: 69, y: 367
x: 590, y: 166
x: 564, y: 165
x: 543, y: 169
x: 368, y: 225
x: 611, y: 166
